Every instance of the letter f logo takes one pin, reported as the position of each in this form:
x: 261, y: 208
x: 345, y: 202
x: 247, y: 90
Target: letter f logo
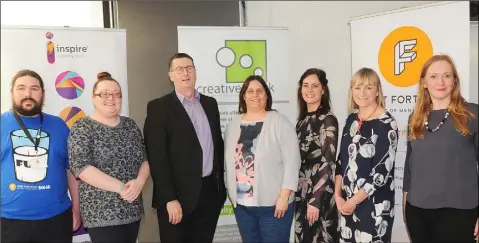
x: 402, y: 54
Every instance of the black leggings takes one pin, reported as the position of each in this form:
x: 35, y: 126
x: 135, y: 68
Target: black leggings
x: 440, y: 225
x: 125, y: 233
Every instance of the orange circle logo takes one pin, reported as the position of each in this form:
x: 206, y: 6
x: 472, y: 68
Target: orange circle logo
x: 402, y: 55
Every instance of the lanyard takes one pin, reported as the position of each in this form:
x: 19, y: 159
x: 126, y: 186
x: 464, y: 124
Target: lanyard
x: 25, y: 130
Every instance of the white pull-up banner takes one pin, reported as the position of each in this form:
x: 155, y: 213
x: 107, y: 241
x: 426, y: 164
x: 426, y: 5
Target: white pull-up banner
x: 224, y: 57
x: 68, y: 60
x: 396, y: 45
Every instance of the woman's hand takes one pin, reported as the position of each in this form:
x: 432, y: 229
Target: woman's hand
x: 312, y: 214
x: 132, y: 190
x: 339, y: 202
x: 281, y: 207
x: 348, y: 207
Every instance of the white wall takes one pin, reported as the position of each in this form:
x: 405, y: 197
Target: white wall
x: 52, y: 13
x: 473, y: 77
x: 320, y: 36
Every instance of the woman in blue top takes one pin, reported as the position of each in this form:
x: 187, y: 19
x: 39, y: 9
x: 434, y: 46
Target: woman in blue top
x: 364, y: 188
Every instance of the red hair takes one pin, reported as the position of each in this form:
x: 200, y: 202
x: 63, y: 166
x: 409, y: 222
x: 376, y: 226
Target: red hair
x: 457, y: 108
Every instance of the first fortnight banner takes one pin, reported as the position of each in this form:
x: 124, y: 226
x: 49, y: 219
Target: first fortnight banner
x: 224, y: 57
x: 396, y: 45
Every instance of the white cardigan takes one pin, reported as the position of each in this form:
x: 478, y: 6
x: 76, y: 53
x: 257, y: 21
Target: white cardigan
x: 278, y: 157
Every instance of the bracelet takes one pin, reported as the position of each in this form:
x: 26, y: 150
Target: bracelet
x: 122, y: 186
x: 284, y: 198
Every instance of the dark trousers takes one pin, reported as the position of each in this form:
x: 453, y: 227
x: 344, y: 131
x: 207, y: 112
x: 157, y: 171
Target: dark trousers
x: 55, y: 229
x: 440, y: 225
x: 198, y: 226
x: 258, y: 224
x: 125, y: 233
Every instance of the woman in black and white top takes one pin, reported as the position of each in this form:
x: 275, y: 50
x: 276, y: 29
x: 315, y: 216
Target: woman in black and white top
x: 440, y: 187
x: 108, y: 155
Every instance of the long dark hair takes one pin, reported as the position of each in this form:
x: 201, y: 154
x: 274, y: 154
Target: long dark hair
x: 325, y: 106
x: 242, y: 103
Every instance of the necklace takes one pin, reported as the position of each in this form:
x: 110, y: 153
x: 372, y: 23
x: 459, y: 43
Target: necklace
x: 360, y: 121
x: 426, y: 123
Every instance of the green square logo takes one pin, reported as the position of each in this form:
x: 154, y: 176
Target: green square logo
x: 242, y: 58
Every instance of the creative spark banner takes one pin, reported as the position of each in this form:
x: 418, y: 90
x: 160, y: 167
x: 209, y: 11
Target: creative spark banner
x: 224, y: 57
x: 68, y: 60
x: 396, y: 45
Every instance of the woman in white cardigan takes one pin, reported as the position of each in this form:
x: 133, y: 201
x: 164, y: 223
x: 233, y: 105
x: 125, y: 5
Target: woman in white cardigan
x: 262, y: 166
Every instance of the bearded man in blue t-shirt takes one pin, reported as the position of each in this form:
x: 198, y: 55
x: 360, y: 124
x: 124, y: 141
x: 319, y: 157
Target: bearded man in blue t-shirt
x: 36, y: 178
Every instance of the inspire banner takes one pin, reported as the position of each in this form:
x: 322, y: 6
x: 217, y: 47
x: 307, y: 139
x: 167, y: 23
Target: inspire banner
x: 224, y: 57
x: 396, y: 45
x: 68, y: 60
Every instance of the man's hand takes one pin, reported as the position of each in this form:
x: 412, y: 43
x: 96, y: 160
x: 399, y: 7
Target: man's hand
x: 76, y: 219
x: 175, y: 212
x: 131, y: 191
x: 404, y: 195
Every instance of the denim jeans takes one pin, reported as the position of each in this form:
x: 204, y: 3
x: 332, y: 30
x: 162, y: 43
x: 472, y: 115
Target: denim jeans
x: 258, y: 224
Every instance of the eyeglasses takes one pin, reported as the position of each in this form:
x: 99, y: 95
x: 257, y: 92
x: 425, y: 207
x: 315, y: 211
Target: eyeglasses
x: 181, y: 70
x: 105, y: 95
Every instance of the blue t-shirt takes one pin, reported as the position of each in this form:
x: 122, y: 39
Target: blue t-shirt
x: 34, y: 184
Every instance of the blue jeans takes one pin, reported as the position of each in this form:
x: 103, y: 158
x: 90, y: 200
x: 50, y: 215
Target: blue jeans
x: 258, y: 224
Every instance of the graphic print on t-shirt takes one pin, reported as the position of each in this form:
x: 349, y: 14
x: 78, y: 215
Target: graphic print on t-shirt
x: 245, y: 159
x: 30, y: 164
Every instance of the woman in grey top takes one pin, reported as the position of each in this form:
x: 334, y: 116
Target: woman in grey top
x: 440, y: 199
x: 108, y: 155
x: 262, y: 162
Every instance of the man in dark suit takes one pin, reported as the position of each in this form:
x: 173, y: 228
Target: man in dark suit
x: 185, y: 151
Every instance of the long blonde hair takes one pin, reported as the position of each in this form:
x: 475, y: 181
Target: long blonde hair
x: 365, y: 76
x: 457, y: 107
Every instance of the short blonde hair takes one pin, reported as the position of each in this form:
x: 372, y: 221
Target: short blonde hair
x: 362, y: 77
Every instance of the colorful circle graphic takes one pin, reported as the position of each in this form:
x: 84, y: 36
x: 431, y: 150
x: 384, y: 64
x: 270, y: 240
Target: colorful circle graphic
x: 71, y: 114
x: 69, y: 85
x: 49, y: 35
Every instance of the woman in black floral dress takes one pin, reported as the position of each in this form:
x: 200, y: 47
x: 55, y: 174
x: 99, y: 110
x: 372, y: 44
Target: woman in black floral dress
x: 364, y: 188
x: 316, y: 215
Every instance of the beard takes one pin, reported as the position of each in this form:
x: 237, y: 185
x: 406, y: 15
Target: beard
x: 33, y: 111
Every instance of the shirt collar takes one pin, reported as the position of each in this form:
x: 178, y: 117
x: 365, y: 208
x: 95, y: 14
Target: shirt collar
x: 182, y: 97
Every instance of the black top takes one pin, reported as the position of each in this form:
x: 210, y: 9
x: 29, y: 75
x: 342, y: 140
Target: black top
x: 117, y: 151
x: 441, y: 169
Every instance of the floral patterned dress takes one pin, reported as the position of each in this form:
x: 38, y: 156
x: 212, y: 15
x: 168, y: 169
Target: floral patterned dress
x: 318, y: 138
x: 366, y: 161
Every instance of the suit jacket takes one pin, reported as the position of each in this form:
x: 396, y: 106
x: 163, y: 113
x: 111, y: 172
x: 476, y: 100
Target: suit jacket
x: 174, y: 151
